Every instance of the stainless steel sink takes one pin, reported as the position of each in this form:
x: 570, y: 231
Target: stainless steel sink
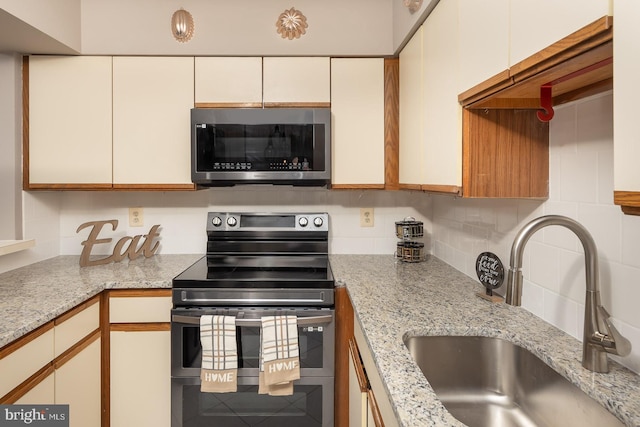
x: 485, y: 381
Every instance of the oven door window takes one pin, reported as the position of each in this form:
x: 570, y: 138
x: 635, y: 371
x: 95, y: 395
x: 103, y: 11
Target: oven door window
x: 310, y: 405
x: 310, y: 341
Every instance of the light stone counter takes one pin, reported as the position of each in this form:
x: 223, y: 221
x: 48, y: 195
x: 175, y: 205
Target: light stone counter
x: 33, y: 295
x: 392, y: 300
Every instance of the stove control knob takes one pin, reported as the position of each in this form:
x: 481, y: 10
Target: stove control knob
x: 317, y: 221
x: 231, y: 221
x: 303, y: 221
x: 216, y: 221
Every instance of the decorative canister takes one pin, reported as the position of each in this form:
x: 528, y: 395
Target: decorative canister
x: 408, y: 249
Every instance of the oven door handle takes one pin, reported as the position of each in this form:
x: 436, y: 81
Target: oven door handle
x: 311, y: 320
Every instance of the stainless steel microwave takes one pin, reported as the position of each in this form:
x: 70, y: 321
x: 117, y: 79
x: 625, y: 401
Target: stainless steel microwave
x: 290, y: 146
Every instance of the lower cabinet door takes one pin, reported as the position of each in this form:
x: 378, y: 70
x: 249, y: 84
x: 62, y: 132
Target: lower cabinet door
x: 77, y: 383
x: 140, y: 378
x: 42, y: 394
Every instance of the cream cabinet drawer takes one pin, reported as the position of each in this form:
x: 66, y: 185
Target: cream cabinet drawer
x: 140, y: 309
x: 20, y: 364
x: 70, y: 331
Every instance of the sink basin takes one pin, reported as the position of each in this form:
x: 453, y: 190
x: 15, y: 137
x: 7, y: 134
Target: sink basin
x: 485, y: 381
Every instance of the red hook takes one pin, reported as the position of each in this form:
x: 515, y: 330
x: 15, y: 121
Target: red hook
x: 546, y: 102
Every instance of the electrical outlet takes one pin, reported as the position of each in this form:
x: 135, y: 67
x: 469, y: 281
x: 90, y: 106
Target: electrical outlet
x: 136, y: 217
x: 366, y: 217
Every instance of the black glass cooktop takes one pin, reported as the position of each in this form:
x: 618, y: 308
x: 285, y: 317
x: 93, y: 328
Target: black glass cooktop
x: 257, y: 272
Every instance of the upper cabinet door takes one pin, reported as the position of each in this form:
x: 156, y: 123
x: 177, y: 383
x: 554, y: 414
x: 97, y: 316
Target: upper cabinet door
x: 626, y: 69
x: 69, y: 122
x: 483, y: 29
x: 442, y: 161
x: 228, y: 82
x: 357, y: 106
x: 299, y: 81
x: 538, y: 24
x: 152, y: 99
x: 411, y: 113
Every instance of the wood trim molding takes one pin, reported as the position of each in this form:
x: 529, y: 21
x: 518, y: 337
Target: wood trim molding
x: 487, y: 87
x: 629, y: 201
x: 443, y: 189
x: 77, y: 309
x: 415, y: 187
x: 105, y: 360
x: 28, y: 384
x: 228, y: 105
x: 154, y: 187
x: 344, y: 333
x: 391, y: 123
x: 357, y: 186
x: 25, y: 123
x: 375, y: 409
x: 77, y: 348
x: 25, y: 339
x: 140, y: 327
x: 354, y: 354
x: 68, y: 187
x: 297, y: 105
x: 128, y: 293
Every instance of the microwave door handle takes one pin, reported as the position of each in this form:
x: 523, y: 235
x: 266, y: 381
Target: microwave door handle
x: 311, y: 320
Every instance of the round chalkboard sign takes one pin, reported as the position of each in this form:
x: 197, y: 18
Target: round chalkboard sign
x: 490, y: 270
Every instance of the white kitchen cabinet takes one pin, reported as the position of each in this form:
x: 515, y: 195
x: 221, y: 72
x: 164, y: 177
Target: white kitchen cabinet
x: 140, y: 378
x: 140, y: 358
x: 69, y: 117
x: 411, y: 113
x: 626, y: 69
x: 538, y: 24
x: 152, y: 99
x: 44, y: 393
x: 228, y: 81
x: 23, y: 358
x: 430, y: 115
x: 442, y: 120
x: 296, y: 81
x: 66, y: 356
x: 78, y: 384
x: 483, y: 40
x: 357, y: 107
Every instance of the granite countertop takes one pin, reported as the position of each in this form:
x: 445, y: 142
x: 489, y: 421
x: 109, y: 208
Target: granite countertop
x: 394, y: 299
x: 33, y: 295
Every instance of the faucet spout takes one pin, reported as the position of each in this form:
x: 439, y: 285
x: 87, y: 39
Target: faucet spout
x: 595, y: 344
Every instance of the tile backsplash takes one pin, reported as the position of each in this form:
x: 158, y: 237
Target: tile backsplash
x: 457, y: 230
x: 581, y: 187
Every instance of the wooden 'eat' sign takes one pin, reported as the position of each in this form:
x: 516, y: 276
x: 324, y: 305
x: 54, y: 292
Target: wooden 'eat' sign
x: 126, y: 247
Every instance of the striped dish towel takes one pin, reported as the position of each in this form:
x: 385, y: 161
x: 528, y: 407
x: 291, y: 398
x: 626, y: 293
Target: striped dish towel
x: 279, y: 355
x: 219, y: 354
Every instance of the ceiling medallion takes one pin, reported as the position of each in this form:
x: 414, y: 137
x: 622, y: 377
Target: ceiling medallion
x: 182, y: 25
x: 291, y: 24
x: 413, y: 5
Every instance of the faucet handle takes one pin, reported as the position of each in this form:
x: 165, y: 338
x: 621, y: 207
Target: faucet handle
x: 617, y: 343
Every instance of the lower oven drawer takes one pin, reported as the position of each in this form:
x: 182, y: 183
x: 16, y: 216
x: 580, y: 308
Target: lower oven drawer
x: 311, y: 405
x: 316, y: 340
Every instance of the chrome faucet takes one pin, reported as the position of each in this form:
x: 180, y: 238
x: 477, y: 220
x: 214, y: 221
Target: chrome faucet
x: 595, y: 344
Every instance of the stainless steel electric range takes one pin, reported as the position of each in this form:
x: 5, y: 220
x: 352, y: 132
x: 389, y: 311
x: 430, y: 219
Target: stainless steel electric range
x: 257, y: 264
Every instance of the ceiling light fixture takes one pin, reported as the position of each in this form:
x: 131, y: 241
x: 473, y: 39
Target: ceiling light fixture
x: 182, y: 25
